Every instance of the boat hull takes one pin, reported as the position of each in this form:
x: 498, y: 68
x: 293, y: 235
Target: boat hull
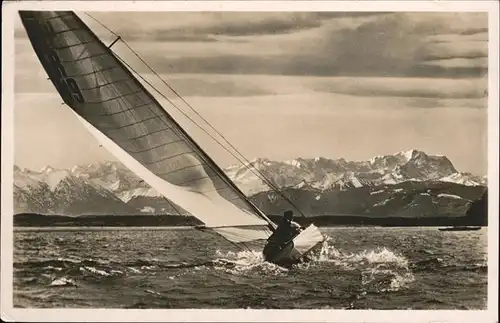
x: 297, y: 250
x: 460, y: 229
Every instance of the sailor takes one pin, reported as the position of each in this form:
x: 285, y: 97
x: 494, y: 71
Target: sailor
x: 288, y: 228
x: 284, y: 233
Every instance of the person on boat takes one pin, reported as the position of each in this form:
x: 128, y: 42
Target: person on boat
x: 288, y: 228
x: 283, y: 234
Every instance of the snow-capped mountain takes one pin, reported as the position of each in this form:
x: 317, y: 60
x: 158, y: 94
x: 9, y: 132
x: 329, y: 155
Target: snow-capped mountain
x: 113, y: 176
x: 322, y: 173
x: 111, y: 188
x: 53, y: 191
x: 465, y: 179
x: 77, y: 196
x: 408, y: 199
x: 31, y: 194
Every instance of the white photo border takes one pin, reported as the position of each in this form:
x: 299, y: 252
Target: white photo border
x: 8, y: 313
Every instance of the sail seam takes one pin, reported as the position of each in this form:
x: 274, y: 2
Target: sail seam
x: 115, y: 98
x: 74, y: 45
x: 169, y: 157
x: 65, y: 31
x: 98, y: 71
x: 126, y: 110
x: 193, y: 180
x: 84, y: 58
x: 149, y: 133
x: 155, y: 147
x: 102, y: 85
x: 181, y: 169
x: 59, y: 17
x: 135, y: 123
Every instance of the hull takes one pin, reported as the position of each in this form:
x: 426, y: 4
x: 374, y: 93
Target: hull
x: 296, y: 250
x: 460, y: 229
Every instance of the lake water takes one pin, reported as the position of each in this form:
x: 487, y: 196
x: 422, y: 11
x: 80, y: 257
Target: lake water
x: 358, y: 268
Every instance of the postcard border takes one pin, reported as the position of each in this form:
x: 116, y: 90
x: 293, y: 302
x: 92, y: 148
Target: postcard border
x: 9, y: 313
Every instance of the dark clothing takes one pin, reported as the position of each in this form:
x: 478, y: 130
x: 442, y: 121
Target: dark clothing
x: 285, y: 232
x: 280, y: 239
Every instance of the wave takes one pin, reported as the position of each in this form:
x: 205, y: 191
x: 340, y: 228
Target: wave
x: 434, y: 264
x: 58, y: 263
x: 63, y: 282
x: 381, y: 269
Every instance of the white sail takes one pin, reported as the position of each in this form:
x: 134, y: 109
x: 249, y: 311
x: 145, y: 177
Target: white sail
x: 131, y: 123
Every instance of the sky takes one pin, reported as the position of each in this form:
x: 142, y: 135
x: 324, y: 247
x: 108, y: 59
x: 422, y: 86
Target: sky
x: 282, y: 85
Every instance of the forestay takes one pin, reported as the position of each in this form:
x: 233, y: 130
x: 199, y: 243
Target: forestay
x: 131, y: 123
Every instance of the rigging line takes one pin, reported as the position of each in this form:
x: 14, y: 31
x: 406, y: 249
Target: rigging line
x: 103, y: 25
x: 207, y: 160
x: 182, y: 134
x: 258, y: 174
x: 262, y: 177
x: 253, y: 170
x: 247, y: 165
x: 201, y: 154
x: 245, y: 162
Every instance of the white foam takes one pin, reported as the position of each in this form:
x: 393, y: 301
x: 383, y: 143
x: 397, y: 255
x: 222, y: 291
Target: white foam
x: 63, y: 281
x: 450, y: 196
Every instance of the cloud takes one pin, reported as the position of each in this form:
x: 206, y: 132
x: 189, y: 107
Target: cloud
x: 266, y: 24
x: 428, y: 88
x: 202, y: 25
x: 214, y: 87
x: 169, y: 36
x: 396, y: 44
x: 327, y: 44
x: 474, y: 31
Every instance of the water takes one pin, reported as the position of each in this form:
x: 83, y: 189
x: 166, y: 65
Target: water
x: 358, y: 268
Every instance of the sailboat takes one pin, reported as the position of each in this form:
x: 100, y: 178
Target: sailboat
x: 102, y: 91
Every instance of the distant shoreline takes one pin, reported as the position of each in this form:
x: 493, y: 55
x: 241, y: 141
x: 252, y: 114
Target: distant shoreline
x: 182, y: 228
x: 36, y: 220
x: 101, y: 228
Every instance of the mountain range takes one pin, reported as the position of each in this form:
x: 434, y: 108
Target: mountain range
x: 409, y: 183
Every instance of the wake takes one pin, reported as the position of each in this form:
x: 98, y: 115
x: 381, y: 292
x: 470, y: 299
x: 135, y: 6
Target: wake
x: 380, y: 269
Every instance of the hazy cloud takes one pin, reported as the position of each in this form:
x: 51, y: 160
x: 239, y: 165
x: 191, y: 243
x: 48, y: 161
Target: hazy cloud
x: 158, y: 26
x: 190, y: 86
x: 333, y: 44
x: 328, y: 44
x: 406, y: 87
x: 474, y: 31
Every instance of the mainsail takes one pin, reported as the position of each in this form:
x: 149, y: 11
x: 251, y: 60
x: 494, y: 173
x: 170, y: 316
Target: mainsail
x: 132, y: 124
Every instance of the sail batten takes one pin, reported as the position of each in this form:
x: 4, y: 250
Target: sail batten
x: 100, y: 89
